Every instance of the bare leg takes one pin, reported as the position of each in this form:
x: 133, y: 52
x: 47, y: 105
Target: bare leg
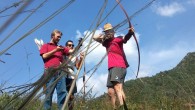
x: 111, y: 93
x: 123, y: 94
x: 119, y: 91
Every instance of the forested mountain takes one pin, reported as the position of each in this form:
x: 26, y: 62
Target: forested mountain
x: 167, y: 90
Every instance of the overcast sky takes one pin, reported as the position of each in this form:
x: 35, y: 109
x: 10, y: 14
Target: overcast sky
x: 165, y: 32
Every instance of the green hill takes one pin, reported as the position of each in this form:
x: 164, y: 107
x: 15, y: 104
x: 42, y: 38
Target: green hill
x: 167, y: 90
x: 171, y: 89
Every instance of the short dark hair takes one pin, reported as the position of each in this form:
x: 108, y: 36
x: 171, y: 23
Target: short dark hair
x: 68, y: 41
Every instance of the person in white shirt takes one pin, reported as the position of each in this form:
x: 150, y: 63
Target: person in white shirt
x: 74, y: 62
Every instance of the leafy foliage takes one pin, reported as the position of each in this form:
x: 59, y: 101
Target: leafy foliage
x: 167, y: 90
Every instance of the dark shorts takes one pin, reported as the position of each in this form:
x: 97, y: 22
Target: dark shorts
x: 116, y: 74
x: 68, y: 85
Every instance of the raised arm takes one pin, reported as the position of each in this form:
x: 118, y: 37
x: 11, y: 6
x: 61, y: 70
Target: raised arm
x: 78, y: 63
x: 99, y: 38
x: 129, y: 34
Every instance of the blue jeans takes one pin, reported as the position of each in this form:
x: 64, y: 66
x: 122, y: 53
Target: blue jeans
x: 61, y: 91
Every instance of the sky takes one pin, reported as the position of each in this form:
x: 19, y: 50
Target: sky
x: 165, y: 32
